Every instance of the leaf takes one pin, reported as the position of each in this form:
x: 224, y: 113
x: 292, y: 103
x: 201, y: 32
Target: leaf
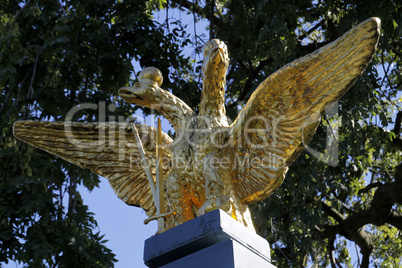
x: 395, y: 24
x: 391, y: 135
x: 61, y: 39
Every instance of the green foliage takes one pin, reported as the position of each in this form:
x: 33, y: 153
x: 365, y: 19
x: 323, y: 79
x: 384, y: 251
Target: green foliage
x: 56, y: 54
x: 388, y: 241
x: 53, y: 56
x: 262, y: 36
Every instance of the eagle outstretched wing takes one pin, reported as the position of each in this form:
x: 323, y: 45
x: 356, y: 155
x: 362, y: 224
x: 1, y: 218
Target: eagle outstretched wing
x: 107, y: 149
x: 284, y: 111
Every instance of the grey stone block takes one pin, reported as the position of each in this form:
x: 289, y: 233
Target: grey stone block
x: 212, y: 240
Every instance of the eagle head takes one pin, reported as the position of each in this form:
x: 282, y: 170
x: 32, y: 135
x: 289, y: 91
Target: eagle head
x: 216, y: 58
x: 149, y: 79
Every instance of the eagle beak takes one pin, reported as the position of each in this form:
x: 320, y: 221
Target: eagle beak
x: 149, y: 80
x: 132, y: 94
x: 215, y: 52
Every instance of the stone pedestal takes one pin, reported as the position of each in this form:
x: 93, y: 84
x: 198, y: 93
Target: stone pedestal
x: 214, y: 240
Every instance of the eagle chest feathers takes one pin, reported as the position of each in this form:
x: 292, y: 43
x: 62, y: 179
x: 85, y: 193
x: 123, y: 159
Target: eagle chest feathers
x: 198, y: 151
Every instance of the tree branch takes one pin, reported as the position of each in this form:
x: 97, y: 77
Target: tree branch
x: 397, y: 142
x: 379, y: 213
x: 395, y: 219
x: 19, y: 12
x: 6, y: 100
x: 312, y: 46
x: 198, y: 10
x: 31, y: 89
x: 366, y: 259
x: 11, y: 89
x: 312, y: 29
x: 283, y: 251
x: 369, y: 187
x: 398, y: 124
x: 72, y: 189
x: 332, y: 212
x: 361, y: 237
x: 331, y: 249
x: 211, y: 19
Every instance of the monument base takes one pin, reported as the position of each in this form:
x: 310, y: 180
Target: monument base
x: 212, y: 240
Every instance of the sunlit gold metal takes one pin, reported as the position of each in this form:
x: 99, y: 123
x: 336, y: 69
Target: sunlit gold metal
x: 146, y: 167
x: 159, y: 179
x: 212, y: 164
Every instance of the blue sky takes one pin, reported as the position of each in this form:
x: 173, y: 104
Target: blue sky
x: 122, y: 225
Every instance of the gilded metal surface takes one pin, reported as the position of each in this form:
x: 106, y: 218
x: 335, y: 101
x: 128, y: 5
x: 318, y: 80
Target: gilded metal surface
x: 107, y: 149
x: 212, y: 164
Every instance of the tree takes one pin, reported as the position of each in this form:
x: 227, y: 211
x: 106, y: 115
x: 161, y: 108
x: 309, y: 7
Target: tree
x: 53, y: 56
x: 320, y: 207
x: 83, y: 51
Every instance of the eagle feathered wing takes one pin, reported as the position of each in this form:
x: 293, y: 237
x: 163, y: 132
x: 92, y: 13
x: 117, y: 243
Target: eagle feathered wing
x: 107, y: 149
x: 283, y: 112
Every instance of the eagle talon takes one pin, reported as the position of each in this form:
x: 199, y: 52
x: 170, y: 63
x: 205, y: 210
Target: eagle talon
x: 215, y: 202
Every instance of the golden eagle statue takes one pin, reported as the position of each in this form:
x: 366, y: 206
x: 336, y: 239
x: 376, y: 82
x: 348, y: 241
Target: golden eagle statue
x: 212, y: 164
